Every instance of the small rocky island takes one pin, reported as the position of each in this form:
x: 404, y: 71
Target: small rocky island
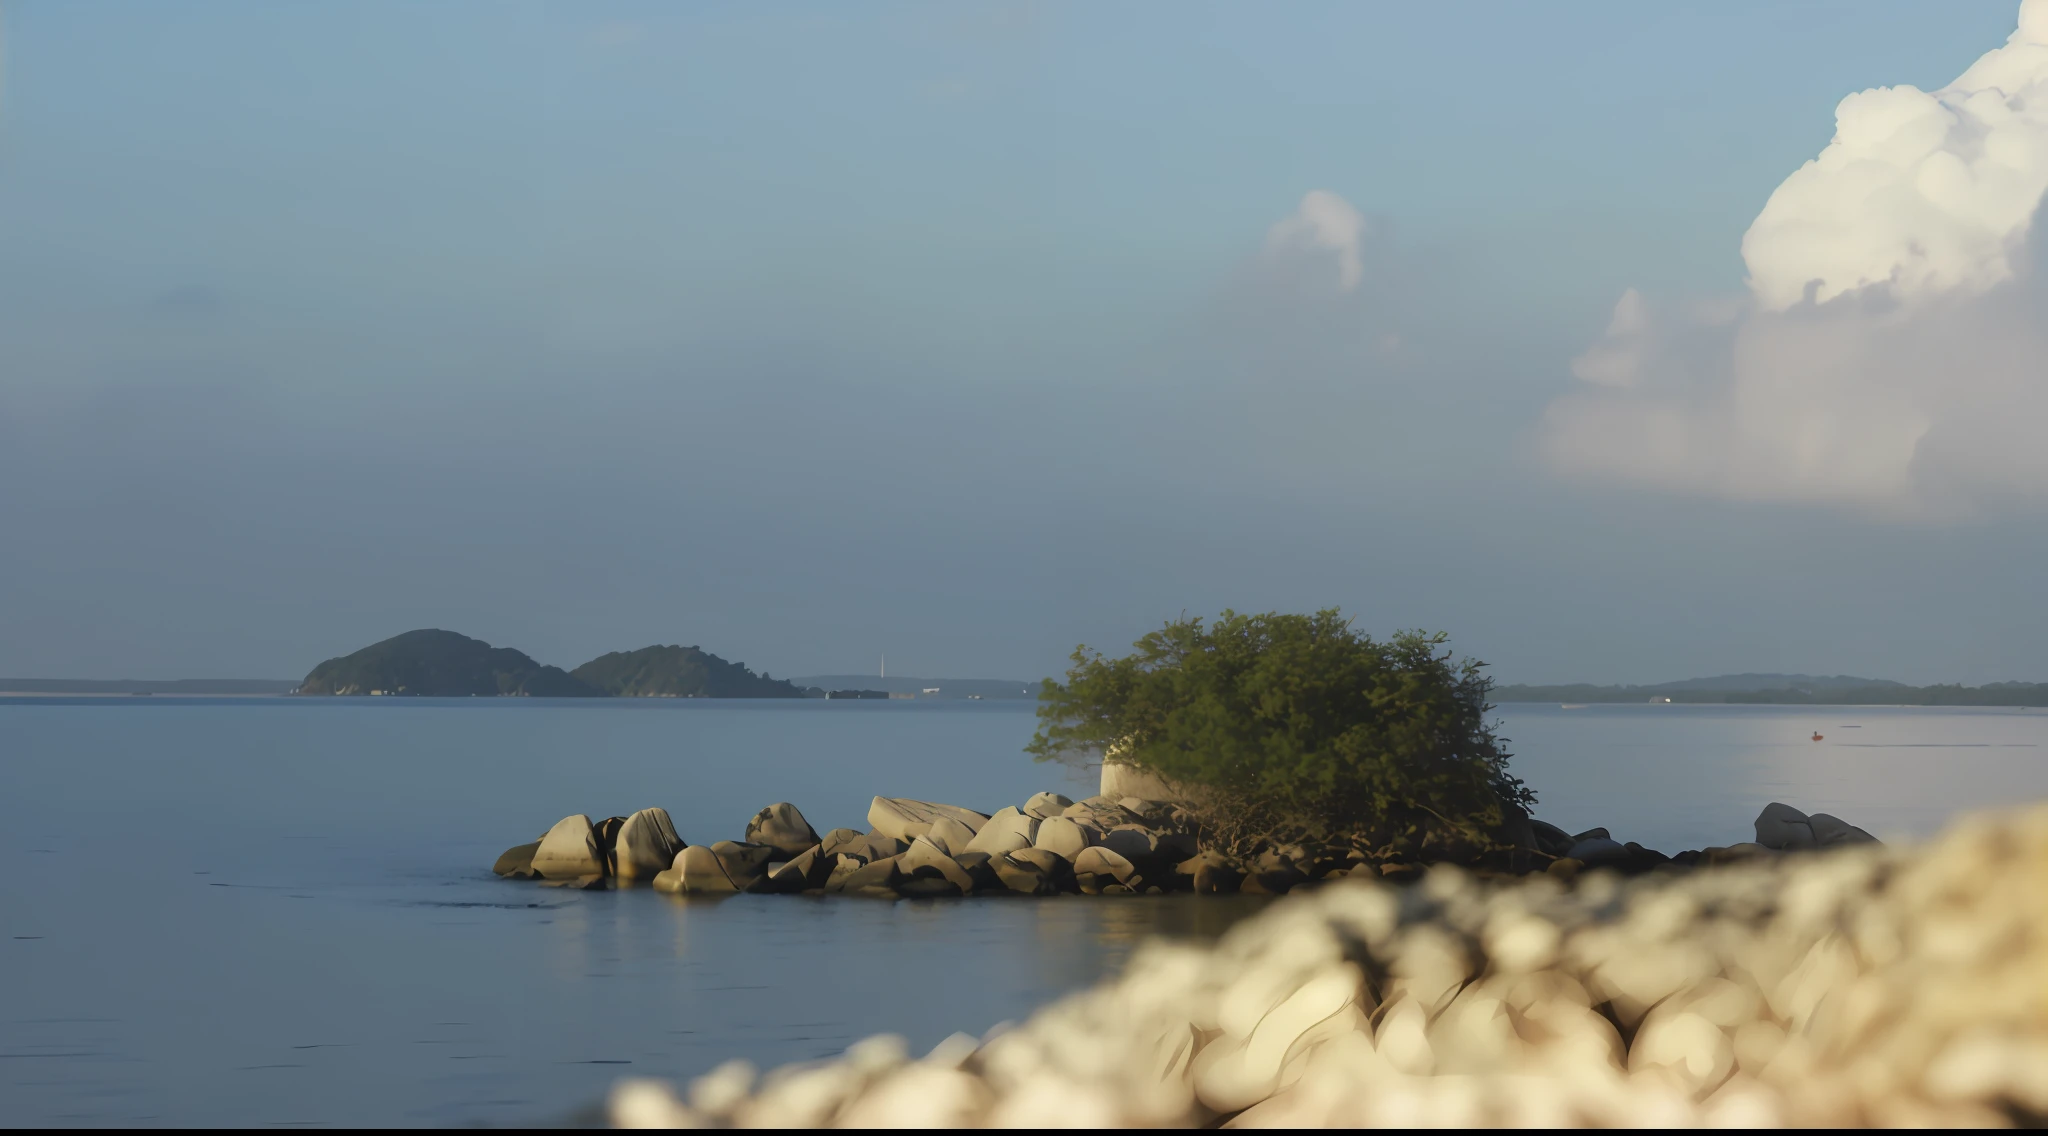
x: 1051, y: 845
x: 431, y: 663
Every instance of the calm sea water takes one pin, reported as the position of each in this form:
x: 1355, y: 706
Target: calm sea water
x: 279, y: 912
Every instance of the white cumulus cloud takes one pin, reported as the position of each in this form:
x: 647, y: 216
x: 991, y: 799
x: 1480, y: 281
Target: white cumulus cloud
x: 1887, y: 351
x: 1324, y: 223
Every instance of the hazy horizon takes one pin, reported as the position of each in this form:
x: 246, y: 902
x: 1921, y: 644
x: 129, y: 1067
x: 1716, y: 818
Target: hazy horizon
x: 1617, y: 341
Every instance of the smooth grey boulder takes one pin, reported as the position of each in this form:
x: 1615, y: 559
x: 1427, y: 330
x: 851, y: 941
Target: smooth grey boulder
x: 1101, y: 861
x: 745, y: 864
x: 1034, y: 871
x: 645, y: 845
x: 875, y: 846
x: 1043, y: 805
x: 1062, y: 836
x: 696, y: 871
x: 906, y: 820
x: 812, y: 869
x: 926, y: 859
x: 1831, y: 831
x: 1782, y: 827
x: 1006, y: 829
x: 781, y: 827
x: 1592, y: 834
x: 877, y: 875
x: 569, y: 851
x: 1598, y: 850
x: 950, y: 835
x: 836, y: 840
x: 517, y: 862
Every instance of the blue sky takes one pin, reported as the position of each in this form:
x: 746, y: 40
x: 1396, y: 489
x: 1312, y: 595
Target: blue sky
x: 956, y: 331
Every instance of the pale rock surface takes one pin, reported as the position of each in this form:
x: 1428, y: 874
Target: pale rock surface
x: 1007, y: 829
x: 696, y: 871
x: 950, y: 835
x: 517, y: 862
x: 782, y: 827
x: 925, y: 854
x: 646, y: 845
x: 569, y: 851
x: 1867, y: 985
x: 1104, y: 862
x: 1043, y: 805
x: 906, y: 820
x: 1783, y: 828
x: 1062, y: 836
x: 838, y: 840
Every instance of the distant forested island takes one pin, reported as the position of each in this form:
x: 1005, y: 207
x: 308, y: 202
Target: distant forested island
x: 1784, y: 689
x: 442, y: 664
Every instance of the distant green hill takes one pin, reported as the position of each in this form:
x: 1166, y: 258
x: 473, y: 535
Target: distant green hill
x: 680, y: 672
x: 442, y: 664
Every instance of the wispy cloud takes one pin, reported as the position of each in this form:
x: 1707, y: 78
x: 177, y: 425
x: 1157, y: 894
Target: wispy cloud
x: 1323, y: 223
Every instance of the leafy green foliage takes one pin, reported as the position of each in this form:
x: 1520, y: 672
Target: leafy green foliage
x: 679, y: 672
x: 1294, y: 723
x: 441, y: 664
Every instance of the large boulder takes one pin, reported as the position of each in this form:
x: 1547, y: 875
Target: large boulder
x: 1007, y: 829
x: 836, y: 840
x: 696, y: 871
x: 517, y: 863
x: 1042, y: 805
x: 1062, y: 836
x: 745, y: 864
x: 906, y: 820
x: 950, y: 835
x: 926, y: 860
x: 781, y: 827
x: 1034, y: 871
x: 569, y: 851
x: 808, y: 871
x: 645, y: 845
x: 1830, y: 831
x: 1105, y: 866
x: 1782, y: 827
x: 877, y: 878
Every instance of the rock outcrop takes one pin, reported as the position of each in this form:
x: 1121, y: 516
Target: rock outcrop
x: 645, y: 845
x: 906, y: 820
x: 1861, y: 985
x: 782, y: 827
x: 569, y: 851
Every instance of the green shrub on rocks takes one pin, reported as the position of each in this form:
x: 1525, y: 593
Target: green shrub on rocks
x: 1296, y: 726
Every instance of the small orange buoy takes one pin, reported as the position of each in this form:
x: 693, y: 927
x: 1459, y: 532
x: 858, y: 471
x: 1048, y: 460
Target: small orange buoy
x: 1816, y: 735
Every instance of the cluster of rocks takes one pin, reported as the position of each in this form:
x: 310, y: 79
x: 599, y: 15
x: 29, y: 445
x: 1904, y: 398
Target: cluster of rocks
x: 1051, y: 845
x: 1858, y: 985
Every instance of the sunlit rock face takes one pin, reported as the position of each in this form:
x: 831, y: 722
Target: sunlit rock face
x: 1864, y: 985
